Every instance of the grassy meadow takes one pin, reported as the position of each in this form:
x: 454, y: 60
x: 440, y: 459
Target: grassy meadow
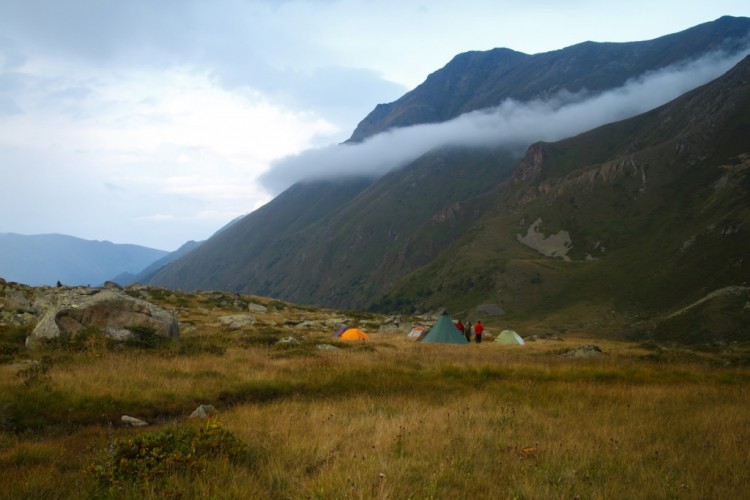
x: 383, y: 418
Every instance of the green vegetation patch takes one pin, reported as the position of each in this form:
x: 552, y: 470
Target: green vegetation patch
x: 11, y: 342
x: 146, y: 338
x: 154, y: 455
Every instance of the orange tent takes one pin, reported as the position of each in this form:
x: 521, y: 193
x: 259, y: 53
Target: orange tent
x: 354, y: 334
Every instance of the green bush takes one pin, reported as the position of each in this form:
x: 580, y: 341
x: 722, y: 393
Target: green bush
x: 90, y: 340
x: 12, y: 341
x: 37, y: 373
x: 146, y: 338
x: 152, y: 455
x: 9, y: 350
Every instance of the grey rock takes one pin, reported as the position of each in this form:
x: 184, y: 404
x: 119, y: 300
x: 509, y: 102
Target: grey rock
x: 237, y: 321
x: 14, y: 301
x: 67, y: 311
x: 584, y: 351
x: 203, y: 411
x: 310, y: 325
x: 132, y: 421
x: 257, y: 308
x: 390, y: 328
x: 288, y: 341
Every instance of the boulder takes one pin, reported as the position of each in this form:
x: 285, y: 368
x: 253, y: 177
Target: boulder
x: 310, y: 325
x: 203, y: 411
x: 327, y: 347
x: 337, y: 321
x: 256, y: 308
x: 288, y: 341
x: 390, y: 328
x: 132, y: 421
x: 237, y: 321
x: 584, y: 351
x: 13, y: 301
x: 67, y: 311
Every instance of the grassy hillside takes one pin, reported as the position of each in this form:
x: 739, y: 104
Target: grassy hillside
x: 236, y: 252
x: 346, y: 242
x: 655, y: 214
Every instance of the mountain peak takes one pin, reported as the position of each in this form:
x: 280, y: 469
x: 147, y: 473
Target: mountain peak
x: 483, y: 79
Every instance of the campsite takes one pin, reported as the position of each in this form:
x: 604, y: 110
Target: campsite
x: 286, y: 410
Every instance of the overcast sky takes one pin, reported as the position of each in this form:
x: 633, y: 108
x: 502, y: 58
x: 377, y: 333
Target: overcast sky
x: 157, y: 122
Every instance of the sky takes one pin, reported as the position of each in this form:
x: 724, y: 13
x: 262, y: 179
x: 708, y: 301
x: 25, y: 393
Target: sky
x: 158, y: 122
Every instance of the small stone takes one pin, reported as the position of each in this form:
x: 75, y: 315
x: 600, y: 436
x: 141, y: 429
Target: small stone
x: 133, y: 422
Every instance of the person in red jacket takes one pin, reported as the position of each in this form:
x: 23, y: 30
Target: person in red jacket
x: 460, y: 327
x: 478, y: 329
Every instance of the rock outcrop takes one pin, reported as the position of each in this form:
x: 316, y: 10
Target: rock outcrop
x: 67, y: 311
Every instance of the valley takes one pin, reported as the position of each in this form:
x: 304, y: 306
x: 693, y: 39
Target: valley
x: 295, y: 413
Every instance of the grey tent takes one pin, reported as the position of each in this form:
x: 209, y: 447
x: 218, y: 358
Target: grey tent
x: 509, y: 337
x: 444, y: 331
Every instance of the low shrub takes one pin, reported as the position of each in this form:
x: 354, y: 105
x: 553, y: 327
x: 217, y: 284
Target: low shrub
x: 146, y: 338
x: 91, y: 340
x: 12, y: 341
x: 37, y: 373
x: 150, y: 456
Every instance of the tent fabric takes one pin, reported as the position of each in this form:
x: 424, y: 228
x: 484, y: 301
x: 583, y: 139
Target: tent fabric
x: 354, y: 334
x: 444, y: 331
x: 417, y: 331
x: 509, y: 337
x: 342, y: 329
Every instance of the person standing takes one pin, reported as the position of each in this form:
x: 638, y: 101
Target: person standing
x: 460, y: 327
x: 467, y: 331
x: 478, y: 332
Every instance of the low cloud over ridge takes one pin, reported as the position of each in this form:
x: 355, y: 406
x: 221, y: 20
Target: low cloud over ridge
x: 513, y: 124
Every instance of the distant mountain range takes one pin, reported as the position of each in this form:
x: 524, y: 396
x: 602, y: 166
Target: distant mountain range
x: 144, y: 274
x: 45, y: 259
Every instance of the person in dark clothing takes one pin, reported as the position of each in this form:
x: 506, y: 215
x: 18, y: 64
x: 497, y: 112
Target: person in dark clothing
x: 478, y: 332
x: 467, y: 331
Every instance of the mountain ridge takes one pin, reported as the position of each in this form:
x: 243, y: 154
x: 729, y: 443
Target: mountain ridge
x: 399, y: 243
x: 664, y: 210
x: 500, y: 74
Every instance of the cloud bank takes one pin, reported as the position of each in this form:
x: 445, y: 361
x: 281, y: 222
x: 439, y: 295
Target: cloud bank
x: 513, y: 124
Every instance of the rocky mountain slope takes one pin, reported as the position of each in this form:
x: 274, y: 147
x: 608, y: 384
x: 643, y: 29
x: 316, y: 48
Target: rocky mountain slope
x: 444, y: 230
x: 645, y: 222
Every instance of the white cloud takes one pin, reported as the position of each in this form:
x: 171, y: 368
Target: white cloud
x: 513, y: 124
x: 153, y: 136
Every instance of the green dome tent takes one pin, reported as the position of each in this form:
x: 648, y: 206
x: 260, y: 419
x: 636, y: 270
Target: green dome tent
x: 444, y: 331
x: 509, y: 337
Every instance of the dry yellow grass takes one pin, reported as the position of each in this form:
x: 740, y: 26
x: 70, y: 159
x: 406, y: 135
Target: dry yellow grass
x: 392, y: 418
